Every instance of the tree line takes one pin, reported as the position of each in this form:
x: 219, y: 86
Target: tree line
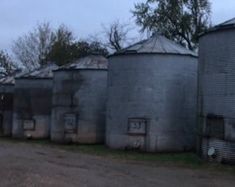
x: 179, y: 20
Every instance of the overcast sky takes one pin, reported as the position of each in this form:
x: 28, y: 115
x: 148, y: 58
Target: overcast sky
x: 84, y: 17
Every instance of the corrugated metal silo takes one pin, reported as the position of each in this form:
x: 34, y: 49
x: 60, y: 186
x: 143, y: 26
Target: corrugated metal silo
x: 79, y: 97
x: 33, y: 103
x: 217, y: 93
x: 7, y: 84
x: 6, y: 105
x: 152, y: 88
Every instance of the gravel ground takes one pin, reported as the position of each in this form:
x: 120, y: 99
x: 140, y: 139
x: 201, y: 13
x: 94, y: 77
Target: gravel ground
x: 24, y: 164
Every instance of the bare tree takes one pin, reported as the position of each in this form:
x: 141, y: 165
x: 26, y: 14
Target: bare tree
x: 31, y: 49
x: 117, y: 35
x: 7, y: 66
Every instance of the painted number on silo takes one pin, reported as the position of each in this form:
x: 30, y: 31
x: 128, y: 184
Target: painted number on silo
x: 137, y: 126
x: 29, y: 125
x: 70, y: 123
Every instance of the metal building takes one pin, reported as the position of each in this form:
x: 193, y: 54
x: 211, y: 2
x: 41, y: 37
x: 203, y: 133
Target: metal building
x: 79, y: 97
x: 33, y: 103
x: 217, y: 93
x: 151, y: 105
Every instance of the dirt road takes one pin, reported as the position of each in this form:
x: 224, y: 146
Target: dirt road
x: 24, y: 164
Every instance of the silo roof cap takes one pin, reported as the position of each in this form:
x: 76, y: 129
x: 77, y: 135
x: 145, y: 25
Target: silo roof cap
x: 43, y: 72
x: 10, y: 79
x: 230, y: 22
x: 225, y: 25
x: 157, y: 44
x: 88, y: 62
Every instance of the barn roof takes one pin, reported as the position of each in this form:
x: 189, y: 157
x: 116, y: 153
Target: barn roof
x: 157, y: 44
x: 40, y: 73
x: 88, y: 62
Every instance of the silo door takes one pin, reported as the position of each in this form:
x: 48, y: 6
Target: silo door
x: 137, y: 133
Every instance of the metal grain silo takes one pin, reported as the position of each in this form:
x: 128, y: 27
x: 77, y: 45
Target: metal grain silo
x: 79, y: 97
x: 6, y: 108
x: 7, y: 84
x: 6, y: 105
x: 217, y: 93
x: 151, y: 105
x: 33, y: 103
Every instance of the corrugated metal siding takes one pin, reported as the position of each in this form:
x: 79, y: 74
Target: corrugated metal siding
x: 82, y: 96
x: 32, y: 102
x: 225, y: 150
x: 216, y: 74
x: 160, y: 88
x: 217, y: 90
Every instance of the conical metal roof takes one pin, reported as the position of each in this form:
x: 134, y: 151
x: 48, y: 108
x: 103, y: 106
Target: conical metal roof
x: 88, y: 62
x: 42, y: 72
x: 157, y: 44
x: 10, y: 79
x: 230, y: 22
x: 225, y: 25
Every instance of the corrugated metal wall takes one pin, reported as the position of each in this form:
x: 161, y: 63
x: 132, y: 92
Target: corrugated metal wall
x: 6, y: 109
x: 160, y: 89
x: 217, y: 93
x: 78, y: 113
x: 32, y: 108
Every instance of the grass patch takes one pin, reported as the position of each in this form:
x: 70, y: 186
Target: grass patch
x: 101, y: 150
x: 187, y: 160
